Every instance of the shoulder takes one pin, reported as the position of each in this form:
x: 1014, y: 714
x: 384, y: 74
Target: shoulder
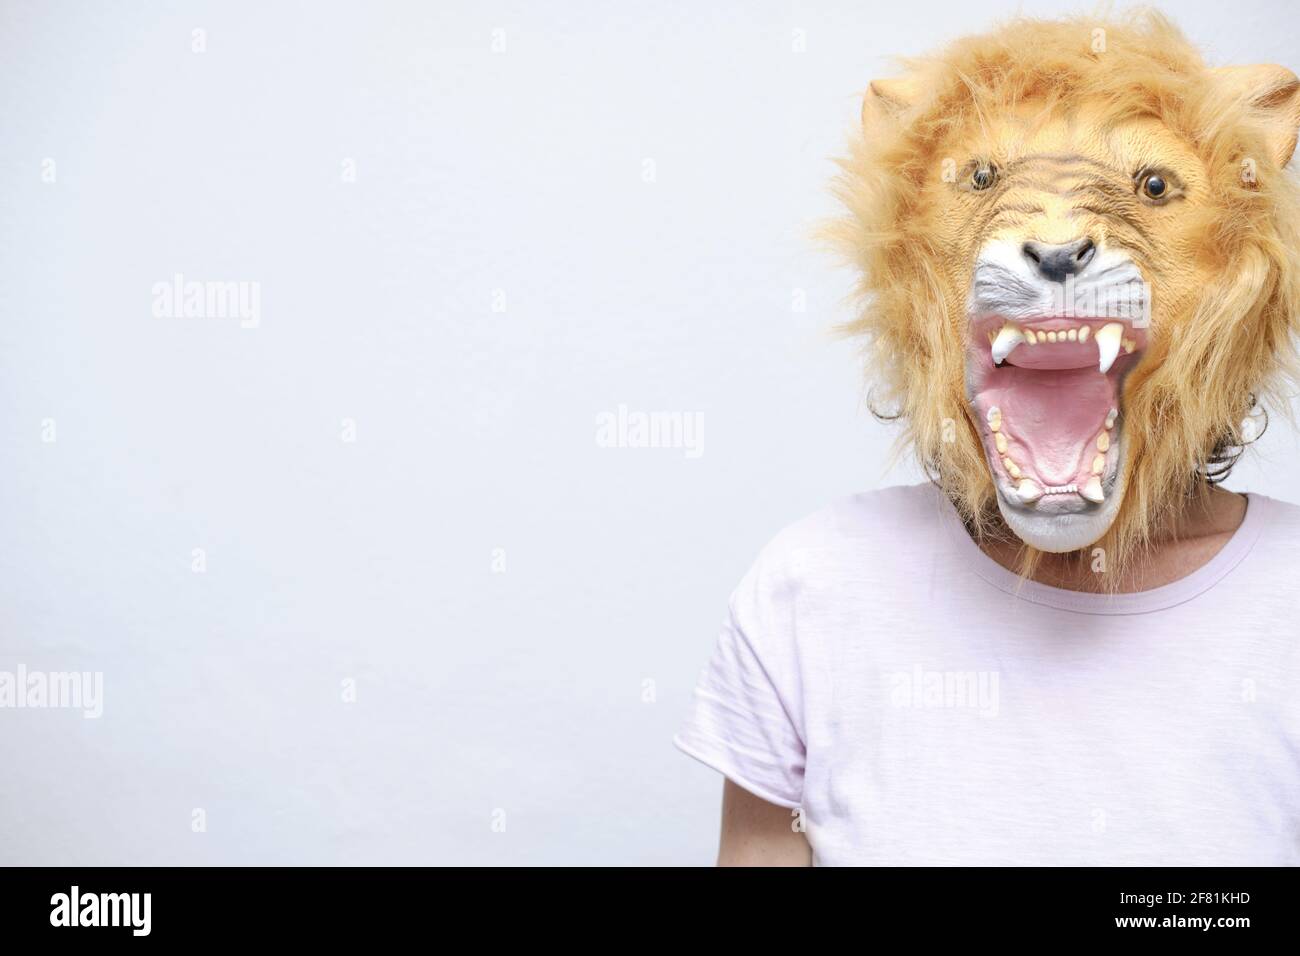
x: 869, y: 531
x: 865, y: 520
x: 1276, y: 510
x: 1278, y: 521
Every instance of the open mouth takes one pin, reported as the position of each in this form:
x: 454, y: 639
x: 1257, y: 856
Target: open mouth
x: 1047, y: 394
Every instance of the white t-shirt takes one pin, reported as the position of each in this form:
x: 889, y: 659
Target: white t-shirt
x: 924, y: 705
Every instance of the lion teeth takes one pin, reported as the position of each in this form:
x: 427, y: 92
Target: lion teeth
x: 1007, y: 339
x: 1108, y: 339
x: 1092, y: 490
x: 1029, y: 491
x: 1061, y: 489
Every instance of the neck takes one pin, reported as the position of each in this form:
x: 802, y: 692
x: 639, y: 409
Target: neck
x: 1192, y: 535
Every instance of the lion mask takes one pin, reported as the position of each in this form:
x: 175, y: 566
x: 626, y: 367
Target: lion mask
x: 1078, y: 250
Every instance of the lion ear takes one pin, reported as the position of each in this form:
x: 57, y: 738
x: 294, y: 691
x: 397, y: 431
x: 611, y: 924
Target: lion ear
x: 1275, y: 92
x: 887, y: 99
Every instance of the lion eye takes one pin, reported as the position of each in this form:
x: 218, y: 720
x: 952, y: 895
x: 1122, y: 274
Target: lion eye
x: 983, y: 177
x: 1154, y: 186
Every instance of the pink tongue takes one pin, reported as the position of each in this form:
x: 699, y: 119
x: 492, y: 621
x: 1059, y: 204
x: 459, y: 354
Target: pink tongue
x: 1051, y: 419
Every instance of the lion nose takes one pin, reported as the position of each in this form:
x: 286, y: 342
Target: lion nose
x: 1054, y: 263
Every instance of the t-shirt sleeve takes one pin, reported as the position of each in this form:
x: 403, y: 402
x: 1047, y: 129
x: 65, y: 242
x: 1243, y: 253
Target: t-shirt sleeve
x: 744, y: 716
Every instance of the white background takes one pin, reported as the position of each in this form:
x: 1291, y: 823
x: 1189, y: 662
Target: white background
x: 372, y: 561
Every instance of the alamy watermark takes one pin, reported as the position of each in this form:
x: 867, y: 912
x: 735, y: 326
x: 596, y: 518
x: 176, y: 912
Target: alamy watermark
x: 1128, y: 299
x: 925, y: 689
x: 77, y: 908
x: 183, y: 298
x: 625, y: 428
x: 69, y: 690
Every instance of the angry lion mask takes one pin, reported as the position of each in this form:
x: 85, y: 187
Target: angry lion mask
x: 1078, y: 249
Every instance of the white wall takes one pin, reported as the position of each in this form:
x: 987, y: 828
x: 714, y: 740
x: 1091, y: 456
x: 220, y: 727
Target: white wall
x: 372, y: 560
